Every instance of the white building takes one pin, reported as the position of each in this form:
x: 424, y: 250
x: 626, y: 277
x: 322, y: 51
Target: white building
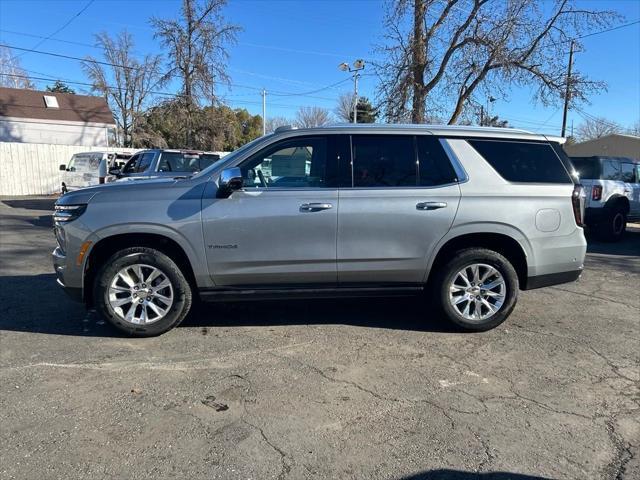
x: 31, y: 116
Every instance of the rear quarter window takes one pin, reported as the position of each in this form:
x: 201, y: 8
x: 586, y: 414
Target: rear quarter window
x: 528, y: 162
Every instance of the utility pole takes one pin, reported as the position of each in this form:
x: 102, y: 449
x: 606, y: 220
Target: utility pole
x: 567, y: 92
x: 481, y: 115
x: 357, y: 66
x: 264, y: 112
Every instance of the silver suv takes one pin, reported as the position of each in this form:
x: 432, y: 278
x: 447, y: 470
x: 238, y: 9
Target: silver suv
x: 467, y: 216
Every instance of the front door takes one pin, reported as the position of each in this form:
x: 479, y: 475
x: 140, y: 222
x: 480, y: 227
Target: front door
x: 631, y: 179
x: 402, y: 200
x: 281, y: 227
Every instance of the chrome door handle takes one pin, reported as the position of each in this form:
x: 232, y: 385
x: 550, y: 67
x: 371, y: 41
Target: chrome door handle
x: 430, y: 205
x: 315, y: 207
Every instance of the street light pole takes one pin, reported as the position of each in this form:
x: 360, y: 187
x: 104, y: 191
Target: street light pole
x: 357, y: 66
x: 355, y: 96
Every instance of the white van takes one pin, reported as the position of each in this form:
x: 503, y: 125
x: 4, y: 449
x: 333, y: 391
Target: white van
x: 90, y: 168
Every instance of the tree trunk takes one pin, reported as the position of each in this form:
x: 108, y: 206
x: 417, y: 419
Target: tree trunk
x: 418, y: 54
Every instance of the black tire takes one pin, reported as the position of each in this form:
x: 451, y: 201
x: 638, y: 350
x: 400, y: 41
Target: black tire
x: 613, y: 224
x: 446, y: 276
x: 147, y: 256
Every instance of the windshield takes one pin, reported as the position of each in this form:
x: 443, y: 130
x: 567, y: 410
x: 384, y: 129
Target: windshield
x: 186, y: 162
x: 233, y: 155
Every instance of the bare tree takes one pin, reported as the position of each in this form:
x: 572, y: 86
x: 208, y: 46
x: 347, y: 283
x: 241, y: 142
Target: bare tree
x: 440, y: 54
x: 596, y: 127
x: 308, y: 117
x: 196, y: 41
x: 635, y: 129
x: 127, y: 84
x: 275, y: 122
x: 12, y: 74
x: 344, y: 109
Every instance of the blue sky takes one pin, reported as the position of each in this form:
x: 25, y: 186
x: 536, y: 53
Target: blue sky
x: 295, y: 46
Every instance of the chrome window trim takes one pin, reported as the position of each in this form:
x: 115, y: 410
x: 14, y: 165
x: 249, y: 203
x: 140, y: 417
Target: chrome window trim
x: 455, y: 161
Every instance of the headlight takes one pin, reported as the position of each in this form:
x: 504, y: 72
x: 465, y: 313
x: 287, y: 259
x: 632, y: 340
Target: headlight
x: 67, y: 213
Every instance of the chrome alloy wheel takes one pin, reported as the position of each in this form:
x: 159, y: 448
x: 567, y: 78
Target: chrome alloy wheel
x: 140, y: 294
x: 477, y: 291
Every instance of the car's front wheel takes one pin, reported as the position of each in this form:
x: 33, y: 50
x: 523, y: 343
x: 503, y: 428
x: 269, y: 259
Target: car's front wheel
x: 477, y: 289
x: 142, y: 292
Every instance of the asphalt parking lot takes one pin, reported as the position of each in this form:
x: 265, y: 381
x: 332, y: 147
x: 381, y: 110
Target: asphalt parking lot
x: 363, y: 389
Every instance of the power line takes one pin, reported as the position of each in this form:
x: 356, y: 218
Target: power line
x: 60, y: 55
x: 115, y: 65
x: 154, y: 92
x: 66, y: 24
x: 70, y: 42
x: 304, y: 94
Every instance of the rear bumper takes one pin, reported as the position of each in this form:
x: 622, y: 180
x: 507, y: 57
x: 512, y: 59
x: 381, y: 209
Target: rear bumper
x: 540, y: 281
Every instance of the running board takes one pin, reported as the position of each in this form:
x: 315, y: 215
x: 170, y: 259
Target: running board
x: 240, y: 294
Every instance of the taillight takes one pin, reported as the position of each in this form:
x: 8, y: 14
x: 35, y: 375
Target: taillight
x: 596, y: 192
x: 577, y: 203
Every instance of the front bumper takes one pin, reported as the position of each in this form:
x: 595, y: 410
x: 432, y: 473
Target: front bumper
x: 60, y: 268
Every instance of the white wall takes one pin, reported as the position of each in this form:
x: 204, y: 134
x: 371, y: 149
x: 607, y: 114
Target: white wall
x: 33, y: 168
x: 58, y: 132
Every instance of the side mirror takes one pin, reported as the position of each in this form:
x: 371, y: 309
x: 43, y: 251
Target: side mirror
x: 63, y: 168
x: 114, y: 171
x: 230, y: 181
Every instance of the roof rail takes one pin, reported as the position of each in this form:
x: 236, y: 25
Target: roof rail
x: 283, y: 128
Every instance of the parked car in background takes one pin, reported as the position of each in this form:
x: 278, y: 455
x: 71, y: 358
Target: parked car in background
x: 469, y: 216
x: 147, y: 164
x: 90, y: 168
x: 612, y: 188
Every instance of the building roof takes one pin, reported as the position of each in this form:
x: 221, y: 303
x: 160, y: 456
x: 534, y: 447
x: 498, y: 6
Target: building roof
x: 610, y: 137
x: 21, y: 103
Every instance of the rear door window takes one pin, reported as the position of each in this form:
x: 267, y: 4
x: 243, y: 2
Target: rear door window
x: 434, y: 167
x: 521, y: 161
x: 384, y: 161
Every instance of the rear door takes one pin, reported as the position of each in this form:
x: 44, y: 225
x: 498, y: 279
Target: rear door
x: 398, y: 199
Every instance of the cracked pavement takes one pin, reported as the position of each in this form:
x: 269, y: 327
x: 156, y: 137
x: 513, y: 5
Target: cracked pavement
x: 362, y: 389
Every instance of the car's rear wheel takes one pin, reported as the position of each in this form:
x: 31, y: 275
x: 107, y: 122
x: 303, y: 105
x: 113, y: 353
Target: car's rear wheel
x: 142, y: 292
x: 477, y: 289
x: 614, y: 224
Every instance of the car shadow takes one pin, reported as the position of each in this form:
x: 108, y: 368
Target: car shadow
x: 629, y: 245
x: 32, y: 203
x: 398, y: 313
x: 34, y: 303
x: 447, y: 474
x: 53, y: 313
